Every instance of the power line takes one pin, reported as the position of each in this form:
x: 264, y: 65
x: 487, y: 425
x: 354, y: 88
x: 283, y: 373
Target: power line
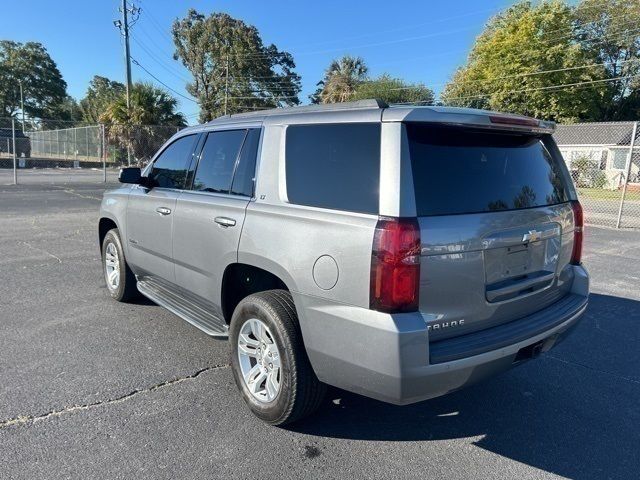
x: 267, y: 79
x: 541, y: 72
x: 158, y: 61
x: 161, y: 82
x: 275, y: 80
x: 531, y: 73
x: 157, y: 25
x: 549, y: 87
x: 159, y: 28
x: 570, y: 31
x: 378, y: 33
x: 231, y: 97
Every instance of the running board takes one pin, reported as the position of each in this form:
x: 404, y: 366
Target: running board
x: 179, y: 305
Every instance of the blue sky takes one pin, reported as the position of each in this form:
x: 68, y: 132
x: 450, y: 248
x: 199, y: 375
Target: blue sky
x: 420, y: 41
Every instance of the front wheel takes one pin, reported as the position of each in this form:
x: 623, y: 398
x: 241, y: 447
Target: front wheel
x: 269, y: 362
x: 121, y: 282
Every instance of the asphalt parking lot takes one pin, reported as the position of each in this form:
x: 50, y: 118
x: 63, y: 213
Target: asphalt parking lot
x: 91, y: 388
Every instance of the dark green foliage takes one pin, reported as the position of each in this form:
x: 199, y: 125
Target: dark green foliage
x: 220, y: 50
x: 45, y: 92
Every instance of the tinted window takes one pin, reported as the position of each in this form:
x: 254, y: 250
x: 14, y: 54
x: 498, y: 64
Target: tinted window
x: 217, y: 161
x: 457, y: 170
x: 246, y: 169
x: 334, y: 166
x: 170, y: 168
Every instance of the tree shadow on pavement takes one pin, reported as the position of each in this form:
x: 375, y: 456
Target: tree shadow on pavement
x: 574, y: 412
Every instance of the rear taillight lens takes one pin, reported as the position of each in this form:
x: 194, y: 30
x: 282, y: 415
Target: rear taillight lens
x: 578, y: 232
x: 395, y: 265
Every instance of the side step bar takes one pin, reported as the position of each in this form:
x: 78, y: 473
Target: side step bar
x: 185, y: 309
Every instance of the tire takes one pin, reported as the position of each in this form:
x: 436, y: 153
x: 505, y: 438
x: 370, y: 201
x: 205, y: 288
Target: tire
x: 125, y: 289
x: 300, y: 392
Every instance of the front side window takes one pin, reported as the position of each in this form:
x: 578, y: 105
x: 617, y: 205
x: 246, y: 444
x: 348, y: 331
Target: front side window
x: 334, y: 166
x: 170, y: 168
x: 218, y: 160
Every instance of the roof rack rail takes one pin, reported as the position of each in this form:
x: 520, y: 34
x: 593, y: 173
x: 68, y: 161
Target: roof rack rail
x: 325, y: 107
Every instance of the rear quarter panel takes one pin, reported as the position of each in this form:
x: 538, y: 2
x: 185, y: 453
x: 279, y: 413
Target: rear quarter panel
x: 288, y: 240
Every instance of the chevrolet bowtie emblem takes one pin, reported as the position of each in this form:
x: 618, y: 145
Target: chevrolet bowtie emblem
x: 532, y: 236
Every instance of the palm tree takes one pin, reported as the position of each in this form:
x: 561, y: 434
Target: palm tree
x: 143, y: 127
x: 150, y: 105
x: 340, y: 80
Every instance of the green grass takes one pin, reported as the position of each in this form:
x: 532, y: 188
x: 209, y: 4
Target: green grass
x: 602, y: 194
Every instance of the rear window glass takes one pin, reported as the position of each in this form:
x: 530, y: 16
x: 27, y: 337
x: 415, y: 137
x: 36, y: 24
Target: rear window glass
x: 334, y: 166
x: 458, y: 170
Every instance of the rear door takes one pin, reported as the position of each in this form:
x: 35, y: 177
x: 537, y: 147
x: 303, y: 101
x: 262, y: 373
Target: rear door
x: 209, y: 215
x: 496, y: 225
x: 150, y: 211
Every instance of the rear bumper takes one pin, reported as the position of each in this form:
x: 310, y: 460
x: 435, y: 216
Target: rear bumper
x: 388, y: 357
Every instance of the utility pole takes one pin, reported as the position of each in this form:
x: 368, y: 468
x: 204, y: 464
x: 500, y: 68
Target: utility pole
x: 123, y: 25
x: 127, y: 53
x: 226, y: 86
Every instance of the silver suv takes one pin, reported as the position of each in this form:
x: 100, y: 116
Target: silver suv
x: 398, y: 252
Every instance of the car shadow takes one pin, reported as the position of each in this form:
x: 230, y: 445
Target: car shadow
x: 574, y: 412
x: 143, y: 301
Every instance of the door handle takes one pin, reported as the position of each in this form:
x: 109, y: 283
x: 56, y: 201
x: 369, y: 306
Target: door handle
x: 163, y: 210
x: 225, y: 221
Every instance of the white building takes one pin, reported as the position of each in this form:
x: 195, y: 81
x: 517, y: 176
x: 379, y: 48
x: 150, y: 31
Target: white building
x: 604, y: 147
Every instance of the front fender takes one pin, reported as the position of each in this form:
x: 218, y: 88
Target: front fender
x: 114, y: 208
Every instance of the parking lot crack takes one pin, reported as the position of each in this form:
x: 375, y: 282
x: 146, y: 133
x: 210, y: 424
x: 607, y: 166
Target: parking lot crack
x: 73, y: 192
x: 25, y: 420
x: 42, y: 250
x: 596, y: 370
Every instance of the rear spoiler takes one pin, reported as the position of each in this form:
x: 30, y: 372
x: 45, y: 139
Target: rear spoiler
x: 468, y: 117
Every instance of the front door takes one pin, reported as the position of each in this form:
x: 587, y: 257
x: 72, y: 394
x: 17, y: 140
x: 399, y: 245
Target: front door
x: 209, y: 217
x: 150, y: 211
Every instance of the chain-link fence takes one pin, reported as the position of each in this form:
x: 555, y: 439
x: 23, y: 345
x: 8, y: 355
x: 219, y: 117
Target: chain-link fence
x: 604, y: 161
x: 91, y: 152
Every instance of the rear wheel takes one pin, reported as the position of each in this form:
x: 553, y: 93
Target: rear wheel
x: 269, y: 362
x: 121, y: 282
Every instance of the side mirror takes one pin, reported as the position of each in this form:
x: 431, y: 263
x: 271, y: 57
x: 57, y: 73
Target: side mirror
x: 130, y: 175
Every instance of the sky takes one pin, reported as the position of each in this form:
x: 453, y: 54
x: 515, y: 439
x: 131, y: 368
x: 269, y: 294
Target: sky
x: 419, y: 41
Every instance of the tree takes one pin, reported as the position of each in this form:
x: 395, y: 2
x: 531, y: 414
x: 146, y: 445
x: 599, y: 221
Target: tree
x: 233, y: 71
x: 151, y: 108
x: 70, y: 110
x: 44, y: 90
x: 504, y: 67
x: 393, y: 90
x: 340, y: 80
x: 608, y: 29
x: 101, y: 93
x: 65, y: 115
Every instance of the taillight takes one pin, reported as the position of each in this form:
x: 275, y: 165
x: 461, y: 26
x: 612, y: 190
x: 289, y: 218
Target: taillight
x: 578, y: 232
x: 507, y: 120
x: 395, y: 265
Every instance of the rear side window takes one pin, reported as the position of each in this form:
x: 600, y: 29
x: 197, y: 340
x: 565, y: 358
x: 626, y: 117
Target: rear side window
x: 218, y: 160
x: 246, y: 169
x: 334, y: 166
x: 459, y: 170
x: 170, y: 168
